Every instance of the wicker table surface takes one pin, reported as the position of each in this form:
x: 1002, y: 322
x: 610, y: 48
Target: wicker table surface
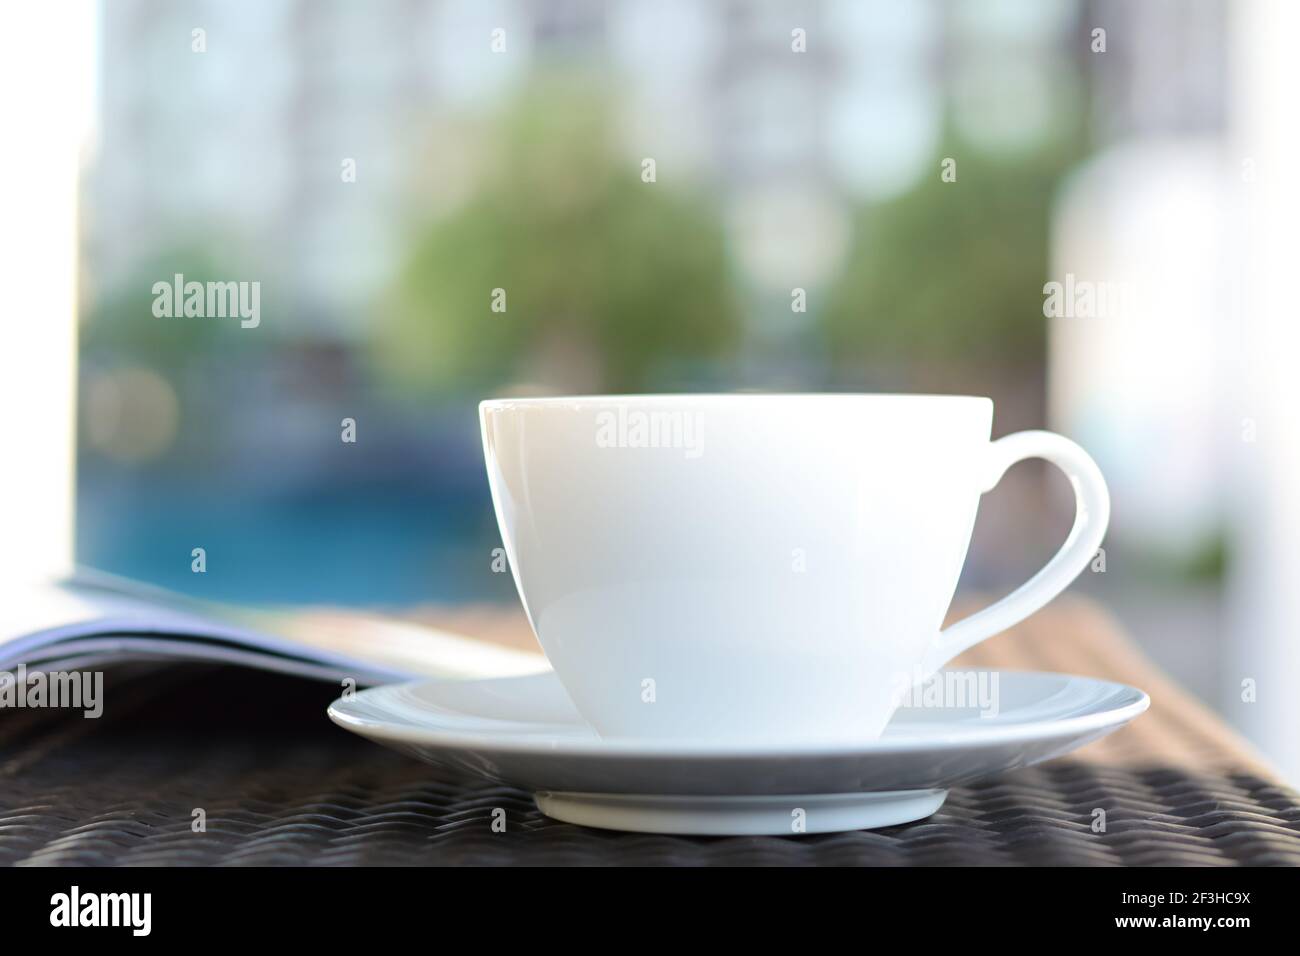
x: 253, y: 758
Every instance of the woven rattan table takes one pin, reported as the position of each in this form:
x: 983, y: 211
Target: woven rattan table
x: 276, y: 783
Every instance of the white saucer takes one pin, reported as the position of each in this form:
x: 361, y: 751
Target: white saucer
x: 524, y: 731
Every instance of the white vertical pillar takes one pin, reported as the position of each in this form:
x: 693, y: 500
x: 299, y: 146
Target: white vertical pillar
x: 47, y: 80
x: 1263, y: 642
x: 1145, y: 227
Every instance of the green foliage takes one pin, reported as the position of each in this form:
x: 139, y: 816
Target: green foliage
x: 121, y: 326
x: 950, y: 271
x: 1205, y: 561
x: 595, y: 263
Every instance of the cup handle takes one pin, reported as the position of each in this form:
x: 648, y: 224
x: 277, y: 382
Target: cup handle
x: 1091, y: 515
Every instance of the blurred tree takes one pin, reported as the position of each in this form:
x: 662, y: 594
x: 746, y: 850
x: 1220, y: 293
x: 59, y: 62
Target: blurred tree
x: 161, y: 372
x: 606, y: 278
x: 952, y: 272
x: 121, y: 325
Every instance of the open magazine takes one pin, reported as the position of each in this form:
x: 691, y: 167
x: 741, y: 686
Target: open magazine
x: 93, y: 619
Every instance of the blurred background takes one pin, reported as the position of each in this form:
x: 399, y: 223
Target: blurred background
x: 1050, y: 202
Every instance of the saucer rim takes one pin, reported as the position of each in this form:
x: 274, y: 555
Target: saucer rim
x: 507, y: 741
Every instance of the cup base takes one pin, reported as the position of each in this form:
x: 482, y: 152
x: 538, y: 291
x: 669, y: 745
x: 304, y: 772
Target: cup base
x: 745, y: 815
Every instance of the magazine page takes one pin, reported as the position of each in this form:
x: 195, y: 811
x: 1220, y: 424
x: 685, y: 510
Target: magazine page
x: 97, y: 616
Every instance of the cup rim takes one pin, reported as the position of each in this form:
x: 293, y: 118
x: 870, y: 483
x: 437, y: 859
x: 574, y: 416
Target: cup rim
x: 674, y: 398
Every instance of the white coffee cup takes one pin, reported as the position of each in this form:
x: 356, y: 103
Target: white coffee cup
x: 766, y: 568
